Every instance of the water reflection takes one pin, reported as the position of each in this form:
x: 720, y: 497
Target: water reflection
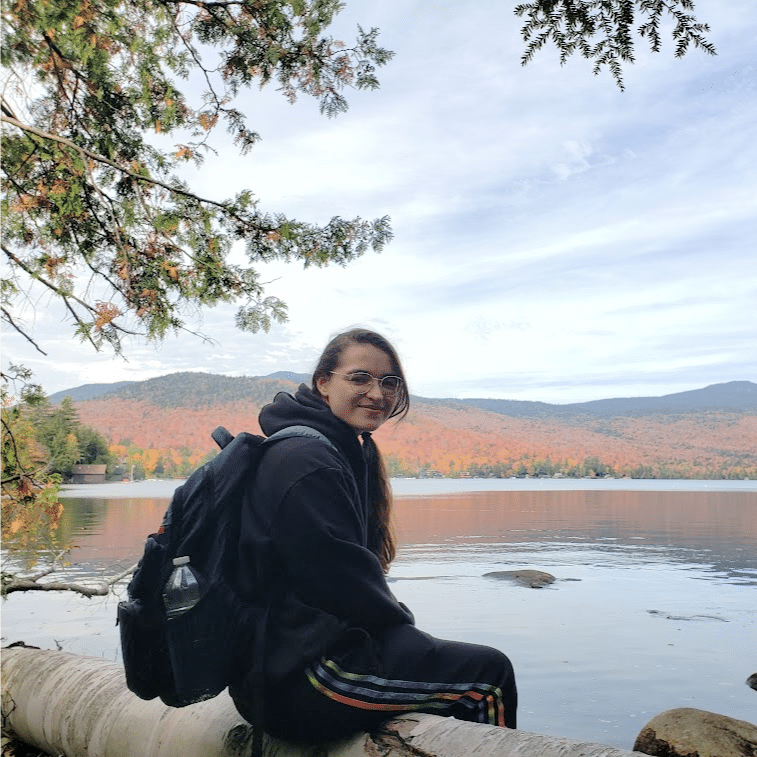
x: 109, y: 531
x: 715, y: 530
x: 654, y: 606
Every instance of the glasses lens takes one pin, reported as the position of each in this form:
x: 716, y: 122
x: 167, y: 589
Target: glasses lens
x: 391, y: 384
x: 361, y: 382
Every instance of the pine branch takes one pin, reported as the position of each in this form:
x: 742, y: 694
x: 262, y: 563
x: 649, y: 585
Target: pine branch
x: 571, y: 24
x: 65, y: 296
x: 106, y: 161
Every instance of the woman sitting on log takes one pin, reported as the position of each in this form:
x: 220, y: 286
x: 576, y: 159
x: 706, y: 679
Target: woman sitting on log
x: 342, y: 654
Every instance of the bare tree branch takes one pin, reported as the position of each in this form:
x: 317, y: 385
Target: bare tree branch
x: 13, y: 583
x: 10, y: 320
x: 28, y: 584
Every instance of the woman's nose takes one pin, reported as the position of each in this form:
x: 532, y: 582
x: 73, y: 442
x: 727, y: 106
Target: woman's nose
x: 375, y: 391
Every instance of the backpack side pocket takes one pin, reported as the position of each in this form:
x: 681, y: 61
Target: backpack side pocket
x: 141, y: 622
x: 200, y: 650
x: 143, y: 647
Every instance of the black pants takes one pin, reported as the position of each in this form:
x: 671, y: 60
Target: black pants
x: 365, y: 682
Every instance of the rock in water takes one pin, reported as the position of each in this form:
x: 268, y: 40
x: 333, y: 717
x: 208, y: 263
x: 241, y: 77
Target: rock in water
x: 752, y: 681
x: 687, y: 732
x: 534, y: 579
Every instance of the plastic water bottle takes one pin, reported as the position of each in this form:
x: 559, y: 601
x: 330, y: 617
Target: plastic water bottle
x: 182, y: 590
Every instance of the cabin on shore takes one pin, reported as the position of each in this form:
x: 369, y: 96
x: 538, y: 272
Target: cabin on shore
x: 89, y: 474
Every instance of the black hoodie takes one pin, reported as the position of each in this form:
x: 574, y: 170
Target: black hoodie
x: 305, y: 525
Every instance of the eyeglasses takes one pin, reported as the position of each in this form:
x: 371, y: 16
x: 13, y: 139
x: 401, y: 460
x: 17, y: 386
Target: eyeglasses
x: 362, y: 382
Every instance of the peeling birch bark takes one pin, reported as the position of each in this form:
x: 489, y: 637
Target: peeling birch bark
x: 78, y: 706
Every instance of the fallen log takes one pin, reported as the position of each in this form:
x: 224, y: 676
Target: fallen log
x: 78, y: 706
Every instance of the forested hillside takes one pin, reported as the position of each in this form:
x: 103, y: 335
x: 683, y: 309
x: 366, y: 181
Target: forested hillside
x: 164, y: 425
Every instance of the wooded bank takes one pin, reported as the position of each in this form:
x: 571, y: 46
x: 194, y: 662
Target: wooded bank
x: 80, y: 707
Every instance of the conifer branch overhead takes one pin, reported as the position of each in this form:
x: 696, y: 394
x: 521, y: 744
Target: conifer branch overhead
x: 94, y: 210
x: 603, y: 30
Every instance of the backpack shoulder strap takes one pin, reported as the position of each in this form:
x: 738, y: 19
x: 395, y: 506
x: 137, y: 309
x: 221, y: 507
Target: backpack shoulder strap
x: 304, y: 431
x: 222, y: 437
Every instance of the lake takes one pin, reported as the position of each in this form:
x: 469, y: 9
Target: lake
x: 654, y: 606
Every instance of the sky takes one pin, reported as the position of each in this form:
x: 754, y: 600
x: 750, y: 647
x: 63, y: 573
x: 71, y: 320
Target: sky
x: 555, y: 239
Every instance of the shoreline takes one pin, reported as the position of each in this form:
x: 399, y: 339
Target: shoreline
x: 408, y: 487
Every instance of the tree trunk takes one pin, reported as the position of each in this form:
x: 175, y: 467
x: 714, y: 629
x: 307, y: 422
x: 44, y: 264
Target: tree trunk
x: 78, y: 706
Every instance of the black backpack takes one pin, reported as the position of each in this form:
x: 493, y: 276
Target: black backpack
x: 195, y: 656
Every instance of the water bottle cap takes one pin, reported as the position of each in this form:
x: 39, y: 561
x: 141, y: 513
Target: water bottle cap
x: 183, y: 560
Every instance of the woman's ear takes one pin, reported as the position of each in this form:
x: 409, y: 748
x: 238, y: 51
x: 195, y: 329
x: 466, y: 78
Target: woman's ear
x: 322, y: 384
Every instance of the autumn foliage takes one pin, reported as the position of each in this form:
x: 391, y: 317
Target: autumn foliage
x: 30, y: 509
x: 453, y: 439
x: 460, y: 440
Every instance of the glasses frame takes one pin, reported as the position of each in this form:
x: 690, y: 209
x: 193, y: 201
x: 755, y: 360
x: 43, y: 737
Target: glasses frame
x: 374, y: 380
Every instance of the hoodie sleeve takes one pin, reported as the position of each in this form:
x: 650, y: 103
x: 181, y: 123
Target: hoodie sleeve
x: 319, y: 533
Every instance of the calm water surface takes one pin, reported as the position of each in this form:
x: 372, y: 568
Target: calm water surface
x: 654, y: 606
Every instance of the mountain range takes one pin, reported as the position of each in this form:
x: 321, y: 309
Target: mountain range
x: 733, y: 396
x: 708, y: 432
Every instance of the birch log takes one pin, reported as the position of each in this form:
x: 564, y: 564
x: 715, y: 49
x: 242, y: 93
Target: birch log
x: 78, y: 706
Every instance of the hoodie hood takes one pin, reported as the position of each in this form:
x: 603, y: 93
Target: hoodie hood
x: 308, y: 408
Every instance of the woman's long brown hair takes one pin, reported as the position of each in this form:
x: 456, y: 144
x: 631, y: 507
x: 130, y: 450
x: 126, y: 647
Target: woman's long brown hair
x: 379, y: 490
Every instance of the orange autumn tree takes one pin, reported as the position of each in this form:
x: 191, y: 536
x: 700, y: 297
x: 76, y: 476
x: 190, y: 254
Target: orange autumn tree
x: 30, y: 508
x: 31, y: 461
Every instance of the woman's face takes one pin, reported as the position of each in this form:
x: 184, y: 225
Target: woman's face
x: 364, y: 412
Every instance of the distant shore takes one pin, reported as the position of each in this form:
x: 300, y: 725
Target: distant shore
x: 406, y: 487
